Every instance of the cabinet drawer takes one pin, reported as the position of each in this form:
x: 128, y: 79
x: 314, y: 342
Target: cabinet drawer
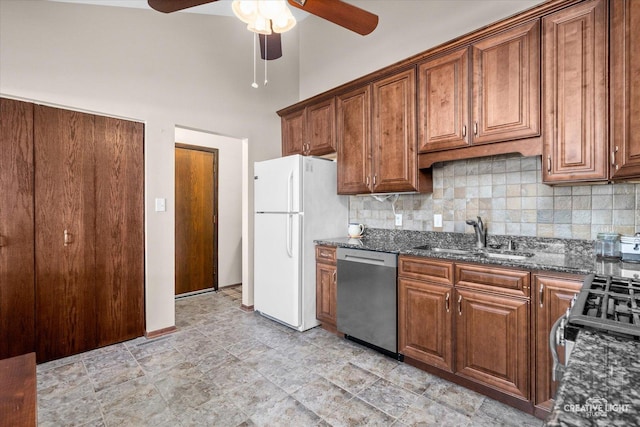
x: 436, y: 271
x: 326, y: 254
x: 501, y: 280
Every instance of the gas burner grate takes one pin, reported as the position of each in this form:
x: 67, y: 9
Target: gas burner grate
x: 608, y: 303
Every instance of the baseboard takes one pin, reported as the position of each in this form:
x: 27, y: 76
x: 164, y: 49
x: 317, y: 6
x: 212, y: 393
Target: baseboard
x: 230, y: 286
x: 160, y: 332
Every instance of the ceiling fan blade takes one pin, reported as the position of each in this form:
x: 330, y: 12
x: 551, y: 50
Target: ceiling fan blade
x: 273, y: 47
x: 348, y: 16
x: 168, y: 6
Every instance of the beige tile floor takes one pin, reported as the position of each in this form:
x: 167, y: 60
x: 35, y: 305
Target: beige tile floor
x: 228, y: 367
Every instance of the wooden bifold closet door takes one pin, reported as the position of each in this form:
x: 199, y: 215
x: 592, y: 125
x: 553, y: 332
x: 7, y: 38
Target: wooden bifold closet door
x: 89, y: 231
x: 17, y: 317
x: 65, y: 233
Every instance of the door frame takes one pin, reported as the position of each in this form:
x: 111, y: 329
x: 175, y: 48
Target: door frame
x: 216, y: 168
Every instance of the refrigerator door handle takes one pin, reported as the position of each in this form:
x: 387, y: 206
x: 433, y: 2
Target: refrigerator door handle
x: 289, y: 237
x: 290, y: 192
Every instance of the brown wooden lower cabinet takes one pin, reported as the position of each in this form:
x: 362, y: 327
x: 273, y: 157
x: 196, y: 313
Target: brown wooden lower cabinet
x: 425, y: 322
x: 553, y: 294
x: 468, y: 323
x: 492, y: 337
x: 326, y: 287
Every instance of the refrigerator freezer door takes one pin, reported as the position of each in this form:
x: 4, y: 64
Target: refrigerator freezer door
x: 277, y: 267
x: 277, y: 185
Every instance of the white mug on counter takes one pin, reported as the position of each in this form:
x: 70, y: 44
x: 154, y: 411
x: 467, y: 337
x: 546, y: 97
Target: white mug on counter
x: 355, y: 230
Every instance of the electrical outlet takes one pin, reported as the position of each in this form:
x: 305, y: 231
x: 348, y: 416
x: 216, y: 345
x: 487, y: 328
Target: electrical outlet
x: 398, y: 219
x: 437, y: 221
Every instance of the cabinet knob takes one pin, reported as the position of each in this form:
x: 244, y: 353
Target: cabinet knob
x: 475, y: 128
x: 67, y: 237
x: 549, y: 164
x: 613, y: 157
x: 460, y: 305
x: 464, y: 131
x: 446, y: 302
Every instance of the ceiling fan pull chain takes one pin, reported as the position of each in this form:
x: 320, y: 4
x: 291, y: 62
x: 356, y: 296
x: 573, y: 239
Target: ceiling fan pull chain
x: 266, y: 55
x: 254, y: 84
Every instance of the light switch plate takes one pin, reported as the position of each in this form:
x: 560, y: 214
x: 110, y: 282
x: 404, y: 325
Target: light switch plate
x: 437, y: 221
x: 398, y: 219
x: 161, y: 204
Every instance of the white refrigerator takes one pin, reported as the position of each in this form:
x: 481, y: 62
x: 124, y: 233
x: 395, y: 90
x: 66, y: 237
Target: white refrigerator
x: 295, y: 203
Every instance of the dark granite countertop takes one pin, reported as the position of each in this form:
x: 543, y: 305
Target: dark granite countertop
x: 601, y: 384
x: 558, y: 255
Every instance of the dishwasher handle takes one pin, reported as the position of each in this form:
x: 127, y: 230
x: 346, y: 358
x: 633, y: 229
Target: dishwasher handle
x: 383, y: 259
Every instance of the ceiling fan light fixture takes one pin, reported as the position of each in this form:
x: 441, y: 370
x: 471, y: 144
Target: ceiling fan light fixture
x: 263, y: 15
x: 260, y: 25
x: 271, y: 9
x: 284, y: 22
x: 245, y: 10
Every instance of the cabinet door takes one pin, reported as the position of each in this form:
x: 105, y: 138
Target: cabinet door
x: 506, y: 85
x: 443, y: 106
x: 492, y: 334
x: 320, y: 132
x: 553, y: 297
x: 574, y: 67
x: 293, y: 133
x: 625, y: 89
x: 354, y: 141
x: 119, y: 250
x: 326, y: 296
x: 65, y: 232
x: 425, y: 322
x: 394, y: 133
x: 17, y: 298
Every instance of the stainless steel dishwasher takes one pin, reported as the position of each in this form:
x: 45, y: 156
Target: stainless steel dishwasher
x: 367, y: 298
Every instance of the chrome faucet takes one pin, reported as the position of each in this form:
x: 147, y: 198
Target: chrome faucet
x: 481, y: 235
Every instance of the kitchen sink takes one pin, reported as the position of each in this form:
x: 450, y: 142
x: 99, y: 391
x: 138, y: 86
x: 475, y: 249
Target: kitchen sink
x: 508, y: 255
x: 444, y: 250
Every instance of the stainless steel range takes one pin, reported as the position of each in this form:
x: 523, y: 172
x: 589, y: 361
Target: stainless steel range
x: 606, y: 303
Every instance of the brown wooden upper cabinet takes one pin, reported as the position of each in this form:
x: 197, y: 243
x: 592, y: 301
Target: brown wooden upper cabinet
x: 625, y: 89
x: 487, y: 92
x: 311, y: 130
x: 574, y: 62
x: 377, y: 137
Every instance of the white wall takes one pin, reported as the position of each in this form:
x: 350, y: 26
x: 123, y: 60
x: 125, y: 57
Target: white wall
x: 195, y: 71
x: 188, y: 70
x: 229, y: 200
x: 331, y: 55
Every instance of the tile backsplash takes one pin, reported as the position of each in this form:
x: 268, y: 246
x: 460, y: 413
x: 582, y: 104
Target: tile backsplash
x: 508, y: 193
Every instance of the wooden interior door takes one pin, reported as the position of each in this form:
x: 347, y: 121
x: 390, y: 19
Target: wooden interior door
x: 196, y: 219
x: 17, y: 292
x: 119, y: 182
x: 65, y: 232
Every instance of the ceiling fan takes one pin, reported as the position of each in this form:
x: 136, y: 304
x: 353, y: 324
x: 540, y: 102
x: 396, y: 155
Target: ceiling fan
x: 340, y: 13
